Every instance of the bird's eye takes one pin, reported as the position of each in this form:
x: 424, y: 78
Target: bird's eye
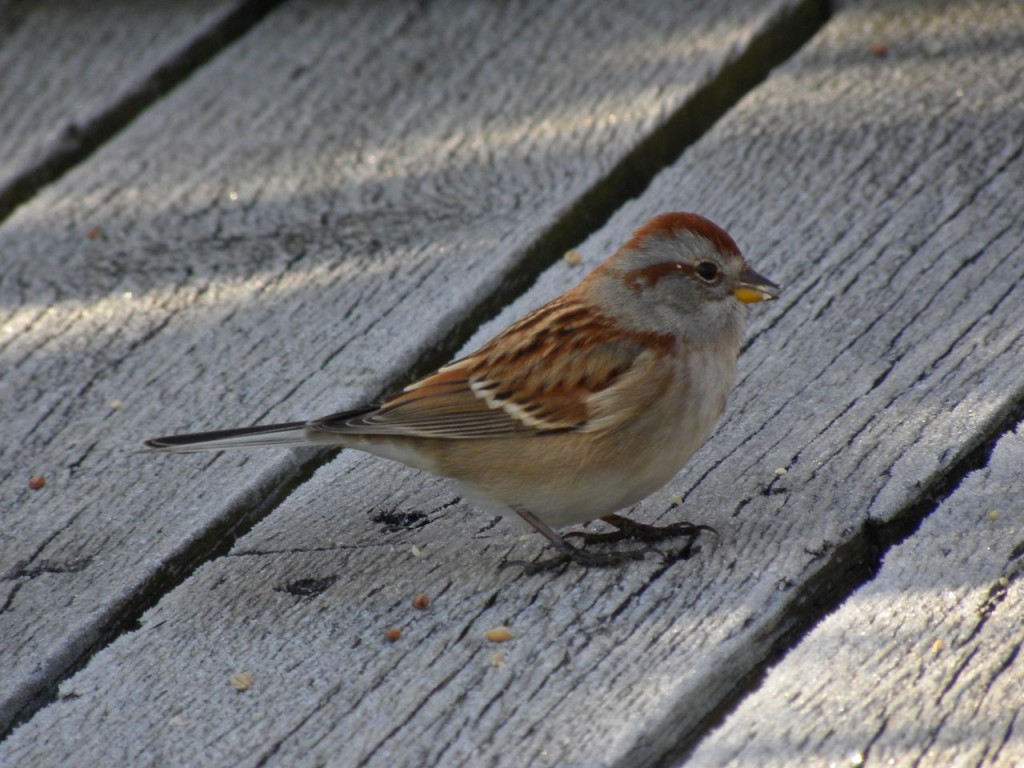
x: 707, y: 271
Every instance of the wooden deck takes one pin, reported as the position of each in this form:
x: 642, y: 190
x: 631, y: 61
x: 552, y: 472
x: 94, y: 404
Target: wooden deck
x: 231, y: 212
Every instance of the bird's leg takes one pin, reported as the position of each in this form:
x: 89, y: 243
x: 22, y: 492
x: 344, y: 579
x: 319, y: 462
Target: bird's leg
x: 631, y: 529
x: 567, y: 553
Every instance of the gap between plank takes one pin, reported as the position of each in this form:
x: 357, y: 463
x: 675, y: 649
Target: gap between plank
x: 848, y: 567
x: 78, y: 140
x: 780, y: 40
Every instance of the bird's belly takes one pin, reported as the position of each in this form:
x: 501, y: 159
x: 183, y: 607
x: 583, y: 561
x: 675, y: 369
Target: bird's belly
x: 572, y: 477
x: 566, y: 484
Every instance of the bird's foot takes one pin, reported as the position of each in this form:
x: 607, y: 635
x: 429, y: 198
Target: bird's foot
x: 630, y: 529
x: 626, y: 529
x: 571, y: 554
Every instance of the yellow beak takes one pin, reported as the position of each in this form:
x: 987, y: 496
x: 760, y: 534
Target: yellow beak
x: 753, y: 287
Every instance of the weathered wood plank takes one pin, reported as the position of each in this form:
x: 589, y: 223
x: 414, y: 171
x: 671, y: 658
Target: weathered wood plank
x: 923, y: 666
x: 883, y: 193
x: 73, y: 73
x: 286, y: 234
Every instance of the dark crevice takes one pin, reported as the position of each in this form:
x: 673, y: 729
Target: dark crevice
x: 1013, y: 570
x: 295, y: 550
x: 78, y: 140
x: 67, y: 566
x: 122, y: 617
x: 883, y: 726
x: 781, y: 39
x: 1007, y: 663
x: 307, y: 589
x: 843, y: 571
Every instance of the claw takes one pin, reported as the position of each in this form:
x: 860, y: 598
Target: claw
x: 630, y: 529
x: 627, y: 529
x: 577, y: 556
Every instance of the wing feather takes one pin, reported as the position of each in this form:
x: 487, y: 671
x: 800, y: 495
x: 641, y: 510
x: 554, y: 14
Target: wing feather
x: 555, y: 370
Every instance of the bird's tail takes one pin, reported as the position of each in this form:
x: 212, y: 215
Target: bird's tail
x: 293, y: 433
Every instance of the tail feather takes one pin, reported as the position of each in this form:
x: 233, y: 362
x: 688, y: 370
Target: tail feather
x: 293, y: 433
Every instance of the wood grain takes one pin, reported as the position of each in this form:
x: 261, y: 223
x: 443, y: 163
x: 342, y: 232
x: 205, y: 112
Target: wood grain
x: 882, y: 192
x: 284, y: 235
x: 76, y: 73
x: 920, y: 667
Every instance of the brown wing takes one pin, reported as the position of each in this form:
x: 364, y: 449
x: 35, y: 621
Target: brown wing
x: 546, y: 373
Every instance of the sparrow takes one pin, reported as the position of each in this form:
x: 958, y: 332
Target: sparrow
x: 580, y: 409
